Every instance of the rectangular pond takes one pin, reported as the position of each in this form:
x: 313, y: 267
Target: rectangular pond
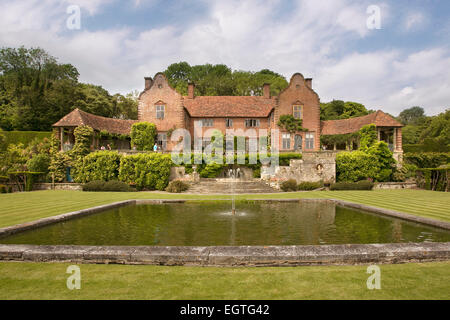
x: 211, y: 223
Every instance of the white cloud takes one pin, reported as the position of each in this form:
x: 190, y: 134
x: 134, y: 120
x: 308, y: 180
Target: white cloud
x: 414, y: 21
x: 251, y: 35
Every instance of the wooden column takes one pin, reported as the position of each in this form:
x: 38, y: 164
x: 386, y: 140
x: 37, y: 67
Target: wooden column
x: 61, y: 138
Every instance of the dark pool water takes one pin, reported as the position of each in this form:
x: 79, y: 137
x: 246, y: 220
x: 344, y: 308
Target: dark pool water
x: 211, y: 224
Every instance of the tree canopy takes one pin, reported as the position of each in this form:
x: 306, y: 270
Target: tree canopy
x: 338, y: 109
x: 36, y: 91
x: 220, y: 80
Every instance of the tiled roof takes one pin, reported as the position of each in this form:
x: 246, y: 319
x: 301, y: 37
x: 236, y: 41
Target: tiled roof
x: 79, y: 118
x: 379, y: 118
x: 229, y: 106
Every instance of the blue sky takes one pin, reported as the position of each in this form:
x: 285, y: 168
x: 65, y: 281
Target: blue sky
x: 403, y: 64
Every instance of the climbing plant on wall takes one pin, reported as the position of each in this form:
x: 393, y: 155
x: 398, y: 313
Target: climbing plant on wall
x: 289, y: 123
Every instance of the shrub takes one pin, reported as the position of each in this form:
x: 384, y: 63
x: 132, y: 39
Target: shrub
x: 3, y: 188
x: 360, y: 185
x: 58, y: 165
x: 375, y: 163
x: 107, y: 186
x: 24, y: 137
x: 355, y: 166
x: 308, y: 186
x: 100, y: 165
x: 146, y: 170
x: 289, y: 185
x: 39, y: 163
x: 211, y: 170
x: 427, y: 159
x: 177, y: 186
x: 143, y: 136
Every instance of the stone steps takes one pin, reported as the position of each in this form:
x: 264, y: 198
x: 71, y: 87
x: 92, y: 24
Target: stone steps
x: 224, y: 186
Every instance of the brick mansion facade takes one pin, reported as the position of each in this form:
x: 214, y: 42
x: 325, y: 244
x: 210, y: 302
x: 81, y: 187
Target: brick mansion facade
x: 162, y: 105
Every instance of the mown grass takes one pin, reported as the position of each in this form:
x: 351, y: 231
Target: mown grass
x: 48, y: 281
x: 25, y: 207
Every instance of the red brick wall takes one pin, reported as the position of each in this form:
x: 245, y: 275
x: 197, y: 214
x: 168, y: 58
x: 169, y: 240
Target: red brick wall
x: 160, y: 91
x: 299, y: 92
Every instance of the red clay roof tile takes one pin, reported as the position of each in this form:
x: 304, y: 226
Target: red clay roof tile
x: 379, y: 118
x: 79, y: 118
x: 229, y: 106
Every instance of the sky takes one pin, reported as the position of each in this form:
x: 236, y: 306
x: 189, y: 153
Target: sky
x: 388, y: 55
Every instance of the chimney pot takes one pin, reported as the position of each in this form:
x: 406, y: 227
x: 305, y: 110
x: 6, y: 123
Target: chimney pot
x: 148, y: 82
x: 266, y: 91
x: 191, y: 90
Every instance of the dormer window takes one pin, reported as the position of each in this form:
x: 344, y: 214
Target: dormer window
x: 160, y: 110
x: 297, y: 111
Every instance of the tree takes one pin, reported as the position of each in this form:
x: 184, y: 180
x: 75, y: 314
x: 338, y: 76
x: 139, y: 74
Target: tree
x: 220, y: 80
x: 338, y: 109
x: 412, y: 115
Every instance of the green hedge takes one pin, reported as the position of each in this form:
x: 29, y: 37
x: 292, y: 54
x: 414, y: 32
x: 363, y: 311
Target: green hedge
x: 434, y: 179
x: 107, y: 186
x: 143, y: 135
x: 99, y: 165
x: 146, y: 170
x: 25, y: 137
x: 427, y: 159
x: 375, y: 163
x: 360, y: 185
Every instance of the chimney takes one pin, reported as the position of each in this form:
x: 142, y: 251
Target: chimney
x: 308, y: 82
x: 148, y: 82
x: 191, y: 90
x: 266, y: 90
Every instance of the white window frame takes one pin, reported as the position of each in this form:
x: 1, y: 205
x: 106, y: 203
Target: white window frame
x: 286, y: 141
x: 299, y: 111
x: 309, y: 140
x: 160, y: 109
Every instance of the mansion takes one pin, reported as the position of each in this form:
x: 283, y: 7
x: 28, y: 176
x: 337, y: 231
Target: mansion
x: 162, y: 105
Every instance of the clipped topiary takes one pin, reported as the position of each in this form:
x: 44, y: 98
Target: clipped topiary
x: 177, y: 186
x: 289, y: 185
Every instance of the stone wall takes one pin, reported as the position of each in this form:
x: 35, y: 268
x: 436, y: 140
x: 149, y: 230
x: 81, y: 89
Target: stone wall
x: 313, y: 167
x: 57, y: 186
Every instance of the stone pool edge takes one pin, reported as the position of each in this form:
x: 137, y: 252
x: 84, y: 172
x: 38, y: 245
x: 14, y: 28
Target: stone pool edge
x: 227, y: 255
x: 249, y: 256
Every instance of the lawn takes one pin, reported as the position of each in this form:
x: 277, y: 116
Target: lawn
x: 25, y: 207
x: 48, y: 281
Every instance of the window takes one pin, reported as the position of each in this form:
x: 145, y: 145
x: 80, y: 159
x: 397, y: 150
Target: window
x: 229, y: 123
x: 297, y: 111
x: 309, y: 141
x: 203, y: 123
x: 160, y: 112
x: 252, y: 123
x: 286, y: 141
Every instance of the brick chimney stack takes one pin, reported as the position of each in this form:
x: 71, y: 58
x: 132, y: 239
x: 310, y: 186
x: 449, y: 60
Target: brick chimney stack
x: 148, y: 82
x: 308, y: 82
x: 266, y: 90
x: 191, y: 90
